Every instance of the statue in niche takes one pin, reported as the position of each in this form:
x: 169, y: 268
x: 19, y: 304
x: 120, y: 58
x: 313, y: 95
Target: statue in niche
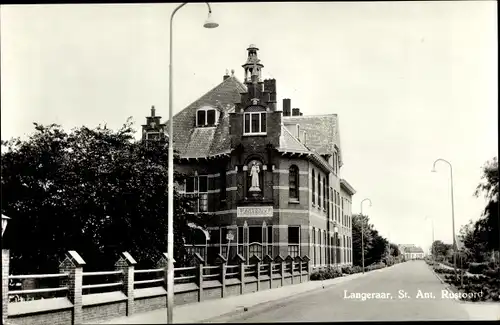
x: 254, y: 175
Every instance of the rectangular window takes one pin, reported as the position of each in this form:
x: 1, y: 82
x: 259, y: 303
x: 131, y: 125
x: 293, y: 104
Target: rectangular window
x: 255, y: 123
x: 214, y: 236
x: 313, y: 244
x: 319, y: 240
x: 324, y: 193
x: 152, y: 135
x: 319, y: 190
x: 270, y: 240
x: 201, y: 118
x: 247, y: 123
x: 190, y: 184
x: 255, y: 234
x: 211, y: 117
x: 263, y: 122
x: 293, y: 241
x: 313, y: 188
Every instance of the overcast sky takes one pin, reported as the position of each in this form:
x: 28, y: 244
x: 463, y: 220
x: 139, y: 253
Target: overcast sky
x: 410, y: 81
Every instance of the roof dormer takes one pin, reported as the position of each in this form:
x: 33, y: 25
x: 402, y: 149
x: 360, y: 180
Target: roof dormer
x: 207, y: 116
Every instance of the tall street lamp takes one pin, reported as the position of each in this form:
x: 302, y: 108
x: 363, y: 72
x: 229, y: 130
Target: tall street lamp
x: 209, y: 23
x: 432, y: 246
x: 452, y: 210
x: 363, y: 234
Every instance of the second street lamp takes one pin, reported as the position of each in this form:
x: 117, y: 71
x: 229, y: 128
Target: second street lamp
x: 209, y: 23
x: 452, y: 210
x: 363, y: 235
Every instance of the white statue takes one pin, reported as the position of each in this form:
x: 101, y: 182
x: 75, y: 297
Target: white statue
x: 254, y: 173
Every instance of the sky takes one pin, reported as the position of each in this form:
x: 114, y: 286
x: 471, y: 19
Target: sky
x: 411, y: 82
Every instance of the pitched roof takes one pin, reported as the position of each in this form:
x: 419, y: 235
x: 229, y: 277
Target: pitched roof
x: 290, y: 143
x: 413, y: 250
x: 322, y: 131
x: 193, y: 142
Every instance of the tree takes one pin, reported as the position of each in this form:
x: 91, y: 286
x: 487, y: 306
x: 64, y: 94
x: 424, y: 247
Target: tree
x: 394, y: 250
x: 360, y: 223
x: 96, y: 191
x: 488, y: 227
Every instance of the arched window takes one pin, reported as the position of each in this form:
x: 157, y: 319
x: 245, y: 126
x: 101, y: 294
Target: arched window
x: 318, y: 182
x: 313, y: 188
x: 324, y: 193
x: 293, y: 183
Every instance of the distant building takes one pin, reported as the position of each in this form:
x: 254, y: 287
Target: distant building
x: 412, y: 252
x: 270, y: 178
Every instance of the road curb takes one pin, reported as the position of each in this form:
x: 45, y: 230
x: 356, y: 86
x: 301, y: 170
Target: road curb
x: 446, y: 285
x: 243, y: 309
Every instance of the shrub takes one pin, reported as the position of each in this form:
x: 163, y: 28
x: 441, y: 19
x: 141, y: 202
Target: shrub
x: 356, y: 269
x: 325, y: 274
x: 493, y: 273
x: 347, y: 269
x: 478, y: 268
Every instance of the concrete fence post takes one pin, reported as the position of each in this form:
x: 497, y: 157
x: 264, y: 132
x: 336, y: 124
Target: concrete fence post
x: 255, y: 260
x: 281, y: 261
x: 269, y: 261
x: 5, y: 284
x: 73, y: 265
x: 240, y: 260
x: 307, y: 260
x: 126, y: 263
x: 298, y: 260
x: 222, y: 262
x: 197, y: 261
x: 289, y: 261
x: 163, y: 263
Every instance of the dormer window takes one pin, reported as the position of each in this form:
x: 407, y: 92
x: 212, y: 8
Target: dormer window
x: 254, y: 123
x: 206, y: 116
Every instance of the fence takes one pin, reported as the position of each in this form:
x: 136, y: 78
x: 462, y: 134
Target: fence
x: 128, y: 291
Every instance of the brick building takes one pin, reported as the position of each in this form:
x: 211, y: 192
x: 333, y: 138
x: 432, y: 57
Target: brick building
x: 270, y: 177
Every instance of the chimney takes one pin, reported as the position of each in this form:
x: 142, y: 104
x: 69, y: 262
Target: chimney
x: 296, y: 112
x: 287, y: 106
x: 226, y: 75
x: 270, y: 88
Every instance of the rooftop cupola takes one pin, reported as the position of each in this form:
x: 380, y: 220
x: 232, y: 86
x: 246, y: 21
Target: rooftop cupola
x: 253, y: 67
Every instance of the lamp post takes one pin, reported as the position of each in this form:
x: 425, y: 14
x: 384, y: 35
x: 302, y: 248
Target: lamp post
x: 209, y: 23
x: 363, y: 235
x: 432, y: 246
x: 452, y: 210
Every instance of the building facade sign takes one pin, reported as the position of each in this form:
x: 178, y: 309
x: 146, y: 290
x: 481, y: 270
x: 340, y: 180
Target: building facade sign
x: 255, y: 212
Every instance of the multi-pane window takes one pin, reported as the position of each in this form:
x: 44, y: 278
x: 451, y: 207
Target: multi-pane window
x: 255, y: 123
x: 314, y: 245
x: 198, y: 185
x: 313, y: 187
x: 320, y: 248
x: 206, y: 117
x: 293, y: 183
x: 318, y: 181
x: 324, y: 193
x: 293, y: 241
x: 255, y: 241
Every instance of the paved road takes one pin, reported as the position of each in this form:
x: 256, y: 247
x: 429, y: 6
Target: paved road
x: 394, y: 297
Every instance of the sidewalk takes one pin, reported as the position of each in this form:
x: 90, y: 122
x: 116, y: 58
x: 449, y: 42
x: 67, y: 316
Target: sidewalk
x: 206, y: 310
